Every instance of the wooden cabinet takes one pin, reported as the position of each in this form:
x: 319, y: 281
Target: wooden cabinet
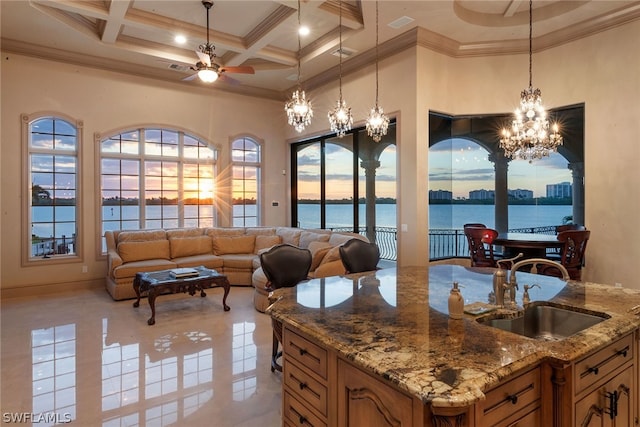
x: 515, y: 402
x: 366, y: 401
x: 606, y: 386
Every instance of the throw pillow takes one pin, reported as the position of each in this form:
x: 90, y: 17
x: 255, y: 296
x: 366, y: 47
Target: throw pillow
x: 141, y: 235
x: 332, y: 255
x: 189, y: 246
x: 318, y: 251
x: 234, y: 245
x: 307, y: 237
x: 140, y: 251
x: 184, y: 232
x: 289, y: 235
x: 266, y: 242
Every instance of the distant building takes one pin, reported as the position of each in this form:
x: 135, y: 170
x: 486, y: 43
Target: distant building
x: 520, y: 194
x: 440, y: 195
x: 482, y: 194
x: 560, y: 190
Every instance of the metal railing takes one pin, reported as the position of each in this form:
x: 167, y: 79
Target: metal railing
x: 53, y: 246
x: 443, y: 243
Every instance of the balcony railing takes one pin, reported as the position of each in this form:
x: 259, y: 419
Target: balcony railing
x: 53, y: 246
x: 443, y: 243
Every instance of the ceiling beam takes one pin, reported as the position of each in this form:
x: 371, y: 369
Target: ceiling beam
x: 115, y: 21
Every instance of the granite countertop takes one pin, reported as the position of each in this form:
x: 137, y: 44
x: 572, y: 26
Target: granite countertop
x: 394, y: 323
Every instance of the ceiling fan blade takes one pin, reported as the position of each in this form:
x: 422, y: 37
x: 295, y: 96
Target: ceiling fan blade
x: 204, y: 58
x: 241, y: 70
x: 191, y: 77
x: 228, y: 80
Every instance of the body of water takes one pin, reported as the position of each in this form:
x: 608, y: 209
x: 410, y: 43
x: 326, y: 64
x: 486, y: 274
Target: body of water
x: 440, y: 216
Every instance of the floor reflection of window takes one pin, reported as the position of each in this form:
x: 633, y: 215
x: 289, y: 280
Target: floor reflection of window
x: 198, y: 368
x: 160, y: 377
x: 54, y: 372
x: 195, y: 401
x: 244, y: 360
x: 162, y: 415
x: 120, y: 372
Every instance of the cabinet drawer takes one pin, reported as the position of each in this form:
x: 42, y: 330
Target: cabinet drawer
x: 297, y: 414
x: 305, y: 387
x: 508, y: 398
x: 305, y: 353
x: 602, y: 363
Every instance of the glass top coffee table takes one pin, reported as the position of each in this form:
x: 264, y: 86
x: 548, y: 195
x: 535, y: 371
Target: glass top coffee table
x: 156, y: 283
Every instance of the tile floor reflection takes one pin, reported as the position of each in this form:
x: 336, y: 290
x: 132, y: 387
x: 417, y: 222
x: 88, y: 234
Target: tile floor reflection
x: 86, y: 358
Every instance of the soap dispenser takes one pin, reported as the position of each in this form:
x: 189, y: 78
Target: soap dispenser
x: 456, y: 303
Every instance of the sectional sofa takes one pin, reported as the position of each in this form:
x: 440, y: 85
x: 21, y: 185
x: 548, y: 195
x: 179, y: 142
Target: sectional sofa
x: 232, y: 251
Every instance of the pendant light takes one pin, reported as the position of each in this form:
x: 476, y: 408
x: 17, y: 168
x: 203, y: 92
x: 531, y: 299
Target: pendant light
x: 530, y: 136
x: 340, y: 117
x: 298, y: 108
x: 377, y: 122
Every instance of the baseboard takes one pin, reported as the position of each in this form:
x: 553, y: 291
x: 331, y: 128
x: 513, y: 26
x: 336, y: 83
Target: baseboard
x: 52, y: 288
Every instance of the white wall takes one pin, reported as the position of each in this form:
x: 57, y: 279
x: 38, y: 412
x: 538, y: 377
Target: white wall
x: 106, y: 101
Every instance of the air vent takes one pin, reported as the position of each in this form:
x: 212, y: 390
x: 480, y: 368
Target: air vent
x: 344, y: 52
x: 178, y: 67
x: 401, y: 22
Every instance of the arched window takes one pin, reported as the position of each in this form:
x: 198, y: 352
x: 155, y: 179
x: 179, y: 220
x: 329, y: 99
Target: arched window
x: 52, y: 144
x: 156, y: 178
x: 246, y: 163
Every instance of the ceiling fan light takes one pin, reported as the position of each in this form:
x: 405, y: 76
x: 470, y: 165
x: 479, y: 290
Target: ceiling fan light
x: 207, y: 75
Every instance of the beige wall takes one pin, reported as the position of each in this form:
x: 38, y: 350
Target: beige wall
x: 601, y: 71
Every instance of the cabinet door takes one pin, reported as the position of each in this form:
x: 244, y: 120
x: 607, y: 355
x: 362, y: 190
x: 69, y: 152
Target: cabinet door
x: 366, y: 401
x: 608, y: 405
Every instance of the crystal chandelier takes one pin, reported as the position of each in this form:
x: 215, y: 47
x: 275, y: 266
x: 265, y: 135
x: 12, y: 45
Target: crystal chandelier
x: 377, y: 122
x: 298, y: 108
x: 530, y: 136
x: 340, y: 117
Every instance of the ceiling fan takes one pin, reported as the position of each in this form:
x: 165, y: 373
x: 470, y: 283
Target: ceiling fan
x: 206, y: 68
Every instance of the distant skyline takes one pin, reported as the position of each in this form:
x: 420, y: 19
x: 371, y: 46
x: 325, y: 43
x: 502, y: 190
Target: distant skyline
x: 460, y: 166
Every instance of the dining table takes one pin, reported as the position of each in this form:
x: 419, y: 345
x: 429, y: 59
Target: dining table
x: 531, y: 245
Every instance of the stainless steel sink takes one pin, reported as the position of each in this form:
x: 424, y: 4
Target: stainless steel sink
x: 546, y: 321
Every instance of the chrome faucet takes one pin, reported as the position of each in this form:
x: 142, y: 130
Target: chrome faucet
x: 512, y: 285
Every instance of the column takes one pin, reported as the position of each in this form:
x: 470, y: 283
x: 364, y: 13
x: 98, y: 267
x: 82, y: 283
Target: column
x: 577, y: 191
x: 370, y: 166
x: 501, y: 166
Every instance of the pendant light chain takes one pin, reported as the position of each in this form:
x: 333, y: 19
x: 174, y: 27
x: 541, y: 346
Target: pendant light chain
x: 377, y: 122
x: 530, y: 43
x: 340, y: 118
x: 376, y: 53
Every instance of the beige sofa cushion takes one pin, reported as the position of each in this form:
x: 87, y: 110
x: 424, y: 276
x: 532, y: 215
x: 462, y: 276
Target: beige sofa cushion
x: 289, y: 235
x: 338, y: 239
x: 238, y: 262
x: 189, y: 246
x: 140, y: 251
x: 261, y: 231
x: 332, y: 255
x: 224, y: 232
x: 141, y: 236
x: 129, y: 270
x: 318, y: 251
x: 233, y: 245
x: 185, y: 232
x: 266, y: 242
x: 307, y: 237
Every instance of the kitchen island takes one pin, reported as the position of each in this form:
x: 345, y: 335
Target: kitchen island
x: 380, y: 349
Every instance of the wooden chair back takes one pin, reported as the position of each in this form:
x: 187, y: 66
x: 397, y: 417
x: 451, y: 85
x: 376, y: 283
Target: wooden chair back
x: 481, y: 246
x: 573, y: 251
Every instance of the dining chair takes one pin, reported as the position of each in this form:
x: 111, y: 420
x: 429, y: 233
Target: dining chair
x: 573, y: 251
x: 481, y: 249
x: 284, y: 266
x: 358, y: 256
x: 569, y: 227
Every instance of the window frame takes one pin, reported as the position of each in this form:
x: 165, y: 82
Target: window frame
x: 26, y: 223
x: 141, y: 156
x: 259, y: 143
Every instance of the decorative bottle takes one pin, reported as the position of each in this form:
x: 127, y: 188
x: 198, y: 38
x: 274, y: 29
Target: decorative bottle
x: 456, y: 303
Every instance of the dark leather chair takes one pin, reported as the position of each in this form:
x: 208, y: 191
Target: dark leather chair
x: 358, y: 256
x: 284, y: 267
x: 569, y: 227
x: 480, y: 242
x: 572, y: 254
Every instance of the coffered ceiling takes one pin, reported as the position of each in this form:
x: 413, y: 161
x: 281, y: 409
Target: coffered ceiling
x: 138, y: 36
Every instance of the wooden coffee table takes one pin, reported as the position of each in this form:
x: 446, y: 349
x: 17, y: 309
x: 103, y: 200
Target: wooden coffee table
x: 161, y: 282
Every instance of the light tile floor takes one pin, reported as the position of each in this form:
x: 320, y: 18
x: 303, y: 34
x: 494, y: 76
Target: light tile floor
x: 86, y: 357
